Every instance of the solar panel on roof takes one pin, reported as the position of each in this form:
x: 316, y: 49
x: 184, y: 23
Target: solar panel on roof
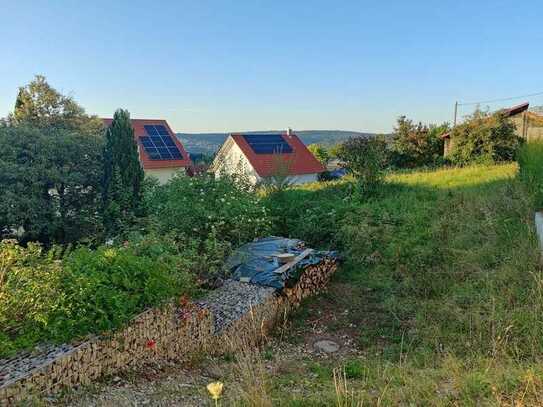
x: 268, y: 143
x: 162, y: 130
x: 175, y: 153
x: 146, y: 141
x: 150, y: 130
x: 159, y: 145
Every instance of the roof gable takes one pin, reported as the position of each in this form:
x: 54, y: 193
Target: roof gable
x: 139, y: 131
x: 298, y: 161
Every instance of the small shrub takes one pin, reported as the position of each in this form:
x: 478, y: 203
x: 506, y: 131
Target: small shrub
x: 354, y: 369
x: 106, y: 287
x: 312, y: 216
x: 30, y: 289
x: 365, y: 159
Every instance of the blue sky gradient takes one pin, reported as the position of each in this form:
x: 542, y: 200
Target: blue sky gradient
x: 249, y: 65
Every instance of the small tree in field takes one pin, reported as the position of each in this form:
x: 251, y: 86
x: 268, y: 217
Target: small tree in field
x: 416, y: 145
x: 320, y: 153
x: 123, y: 175
x: 365, y: 159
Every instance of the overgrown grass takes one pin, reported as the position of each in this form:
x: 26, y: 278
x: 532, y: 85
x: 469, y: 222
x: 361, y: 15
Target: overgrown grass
x: 442, y: 272
x: 530, y: 159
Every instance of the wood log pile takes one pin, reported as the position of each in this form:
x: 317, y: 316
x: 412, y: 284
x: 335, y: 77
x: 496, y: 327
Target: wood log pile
x: 312, y: 280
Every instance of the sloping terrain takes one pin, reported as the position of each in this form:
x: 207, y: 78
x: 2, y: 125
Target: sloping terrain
x: 439, y: 302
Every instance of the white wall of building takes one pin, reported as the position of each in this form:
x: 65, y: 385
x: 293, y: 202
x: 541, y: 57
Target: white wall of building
x: 303, y: 179
x: 163, y: 175
x: 233, y: 161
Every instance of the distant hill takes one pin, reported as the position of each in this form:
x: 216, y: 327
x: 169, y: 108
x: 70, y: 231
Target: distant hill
x: 209, y: 143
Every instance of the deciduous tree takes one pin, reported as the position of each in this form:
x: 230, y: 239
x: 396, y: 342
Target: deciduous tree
x: 416, y: 145
x: 364, y: 158
x: 38, y: 104
x: 49, y: 167
x: 320, y: 153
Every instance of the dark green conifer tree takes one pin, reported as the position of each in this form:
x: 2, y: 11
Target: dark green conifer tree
x: 123, y: 175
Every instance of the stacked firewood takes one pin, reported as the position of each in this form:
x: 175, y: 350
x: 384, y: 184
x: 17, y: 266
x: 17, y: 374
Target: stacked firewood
x: 313, y: 279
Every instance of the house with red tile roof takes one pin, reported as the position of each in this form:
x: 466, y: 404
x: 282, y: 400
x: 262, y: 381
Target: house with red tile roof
x: 263, y: 156
x: 161, y: 153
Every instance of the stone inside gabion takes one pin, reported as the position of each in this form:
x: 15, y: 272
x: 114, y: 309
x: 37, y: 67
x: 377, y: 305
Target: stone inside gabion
x: 233, y: 300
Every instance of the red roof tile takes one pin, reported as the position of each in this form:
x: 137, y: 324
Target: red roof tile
x: 299, y: 162
x: 147, y: 163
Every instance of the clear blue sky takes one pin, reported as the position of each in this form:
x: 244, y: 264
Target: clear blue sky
x: 248, y: 65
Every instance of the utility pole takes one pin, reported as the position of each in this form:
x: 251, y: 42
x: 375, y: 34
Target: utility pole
x: 455, y: 113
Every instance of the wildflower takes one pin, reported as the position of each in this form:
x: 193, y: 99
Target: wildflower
x: 184, y: 301
x: 151, y: 343
x: 215, y: 389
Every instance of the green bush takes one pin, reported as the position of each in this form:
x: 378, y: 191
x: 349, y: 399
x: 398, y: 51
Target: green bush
x: 50, y: 182
x: 484, y: 138
x: 366, y: 159
x: 202, y: 207
x: 530, y: 159
x: 30, y: 289
x: 417, y: 145
x: 311, y: 213
x: 90, y: 292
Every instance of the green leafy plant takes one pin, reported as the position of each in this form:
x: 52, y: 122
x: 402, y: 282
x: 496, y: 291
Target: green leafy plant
x: 320, y: 152
x: 416, y: 145
x: 89, y: 291
x: 530, y: 159
x: 366, y: 159
x: 202, y: 207
x: 484, y: 138
x: 50, y: 184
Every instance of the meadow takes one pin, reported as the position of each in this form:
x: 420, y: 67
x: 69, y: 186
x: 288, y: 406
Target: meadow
x: 439, y: 297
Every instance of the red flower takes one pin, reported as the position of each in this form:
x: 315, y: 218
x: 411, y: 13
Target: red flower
x: 183, y: 301
x: 151, y: 343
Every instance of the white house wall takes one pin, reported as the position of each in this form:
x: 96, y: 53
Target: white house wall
x: 232, y: 160
x: 303, y: 179
x: 163, y: 175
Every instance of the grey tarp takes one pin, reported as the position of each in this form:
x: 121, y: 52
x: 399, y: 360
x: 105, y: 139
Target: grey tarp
x: 255, y: 262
